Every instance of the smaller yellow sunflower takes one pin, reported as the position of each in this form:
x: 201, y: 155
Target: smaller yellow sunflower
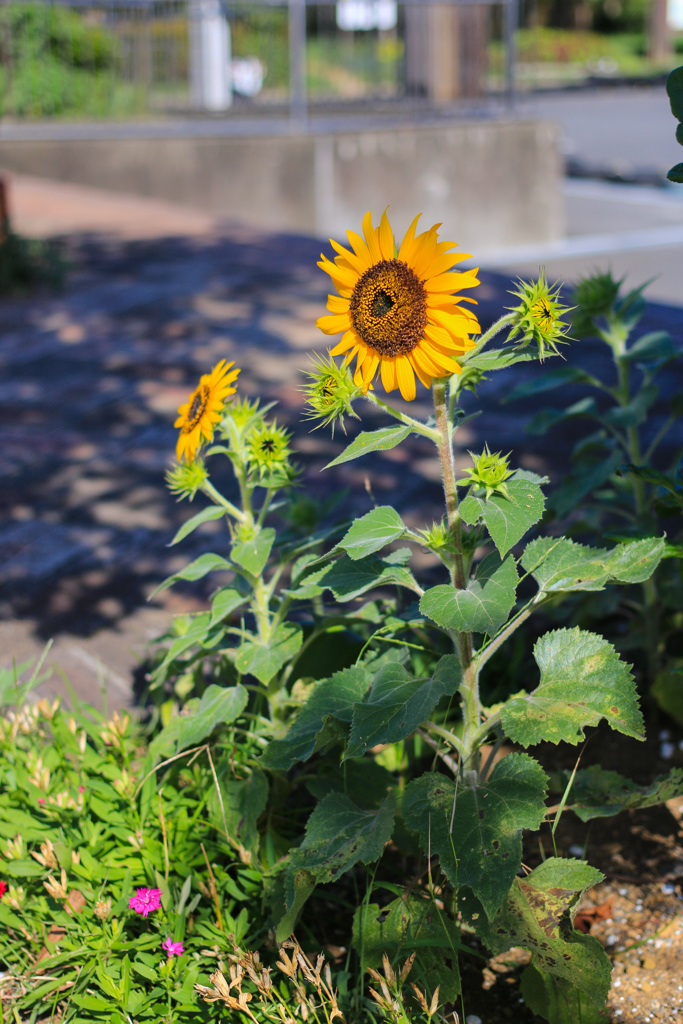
x: 203, y: 410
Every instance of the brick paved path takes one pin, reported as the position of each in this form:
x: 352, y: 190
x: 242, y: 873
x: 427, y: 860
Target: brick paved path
x: 90, y: 383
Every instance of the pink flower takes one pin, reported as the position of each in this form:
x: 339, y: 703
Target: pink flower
x: 172, y: 948
x: 3, y: 890
x: 145, y: 901
x: 41, y: 799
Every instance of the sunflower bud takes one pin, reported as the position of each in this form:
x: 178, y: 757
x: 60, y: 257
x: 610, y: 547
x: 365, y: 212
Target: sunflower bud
x: 186, y: 478
x: 268, y: 452
x: 601, y: 310
x: 538, y: 317
x: 330, y: 392
x: 490, y: 472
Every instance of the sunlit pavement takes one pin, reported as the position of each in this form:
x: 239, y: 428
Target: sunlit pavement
x: 91, y: 379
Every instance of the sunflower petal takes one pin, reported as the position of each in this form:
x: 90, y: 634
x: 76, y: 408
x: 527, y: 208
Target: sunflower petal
x: 335, y: 324
x: 389, y: 374
x: 424, y: 378
x: 406, y: 378
x: 360, y: 248
x: 337, y: 304
x: 348, y: 341
x: 452, y: 282
x: 386, y: 238
x: 371, y: 238
x: 348, y: 260
x: 408, y: 243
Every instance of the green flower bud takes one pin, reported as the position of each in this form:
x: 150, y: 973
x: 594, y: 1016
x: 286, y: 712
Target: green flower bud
x: 330, y: 392
x: 268, y: 452
x: 490, y: 472
x: 186, y: 478
x: 538, y: 316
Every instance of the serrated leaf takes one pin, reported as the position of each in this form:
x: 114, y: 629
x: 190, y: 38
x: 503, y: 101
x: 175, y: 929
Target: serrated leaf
x: 548, y: 380
x: 484, y: 850
x: 207, y: 515
x: 218, y: 705
x: 484, y: 606
x: 264, y: 660
x: 497, y: 358
x: 225, y: 602
x: 597, y: 793
x: 201, y: 567
x: 253, y: 554
x: 371, y: 441
x: 407, y: 925
x: 244, y: 801
x: 559, y: 564
x: 348, y: 579
x: 372, y: 532
x: 398, y: 703
x: 507, y: 519
x: 331, y: 698
x: 339, y: 834
x: 538, y: 915
x: 583, y: 680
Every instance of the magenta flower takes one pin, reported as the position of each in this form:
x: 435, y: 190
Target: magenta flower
x: 172, y: 948
x: 145, y: 901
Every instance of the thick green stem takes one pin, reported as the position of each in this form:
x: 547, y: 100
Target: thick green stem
x: 469, y: 688
x: 216, y: 496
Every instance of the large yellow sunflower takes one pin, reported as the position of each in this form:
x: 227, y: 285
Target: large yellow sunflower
x: 203, y: 410
x: 397, y: 311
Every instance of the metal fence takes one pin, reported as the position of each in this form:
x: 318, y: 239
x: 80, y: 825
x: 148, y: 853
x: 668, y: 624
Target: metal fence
x: 231, y: 59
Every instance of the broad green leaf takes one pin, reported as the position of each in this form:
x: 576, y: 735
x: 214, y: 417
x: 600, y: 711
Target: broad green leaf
x: 207, y: 515
x: 650, y: 348
x: 484, y: 849
x: 252, y: 555
x: 264, y: 660
x: 597, y: 793
x: 674, y: 88
x: 244, y: 801
x: 559, y: 564
x: 200, y: 633
x: 507, y: 519
x: 668, y: 689
x: 496, y: 358
x: 652, y: 476
x: 407, y: 925
x: 196, y: 570
x: 635, y: 413
x: 557, y: 1000
x: 577, y: 485
x: 484, y: 606
x: 339, y: 834
x: 538, y: 914
x: 583, y: 680
x: 299, y: 887
x: 544, y: 420
x: 676, y: 174
x: 372, y: 531
x: 331, y: 698
x: 225, y: 602
x: 218, y: 705
x: 548, y: 380
x: 398, y: 703
x: 371, y: 441
x: 362, y: 779
x: 348, y: 579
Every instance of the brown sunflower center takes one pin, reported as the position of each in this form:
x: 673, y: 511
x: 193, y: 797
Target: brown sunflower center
x: 198, y: 403
x: 389, y: 308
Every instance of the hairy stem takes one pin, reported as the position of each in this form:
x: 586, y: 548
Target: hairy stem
x: 216, y: 496
x: 402, y: 417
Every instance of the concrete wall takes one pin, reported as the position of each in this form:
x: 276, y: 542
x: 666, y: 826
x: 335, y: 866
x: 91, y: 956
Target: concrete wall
x: 491, y: 184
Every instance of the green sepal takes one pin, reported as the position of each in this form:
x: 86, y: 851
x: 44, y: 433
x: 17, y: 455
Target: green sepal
x: 484, y: 849
x: 484, y: 606
x: 398, y: 704
x: 538, y: 914
x: 583, y: 680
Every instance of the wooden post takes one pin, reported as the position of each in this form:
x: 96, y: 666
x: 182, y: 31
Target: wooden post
x: 659, y: 42
x: 4, y: 212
